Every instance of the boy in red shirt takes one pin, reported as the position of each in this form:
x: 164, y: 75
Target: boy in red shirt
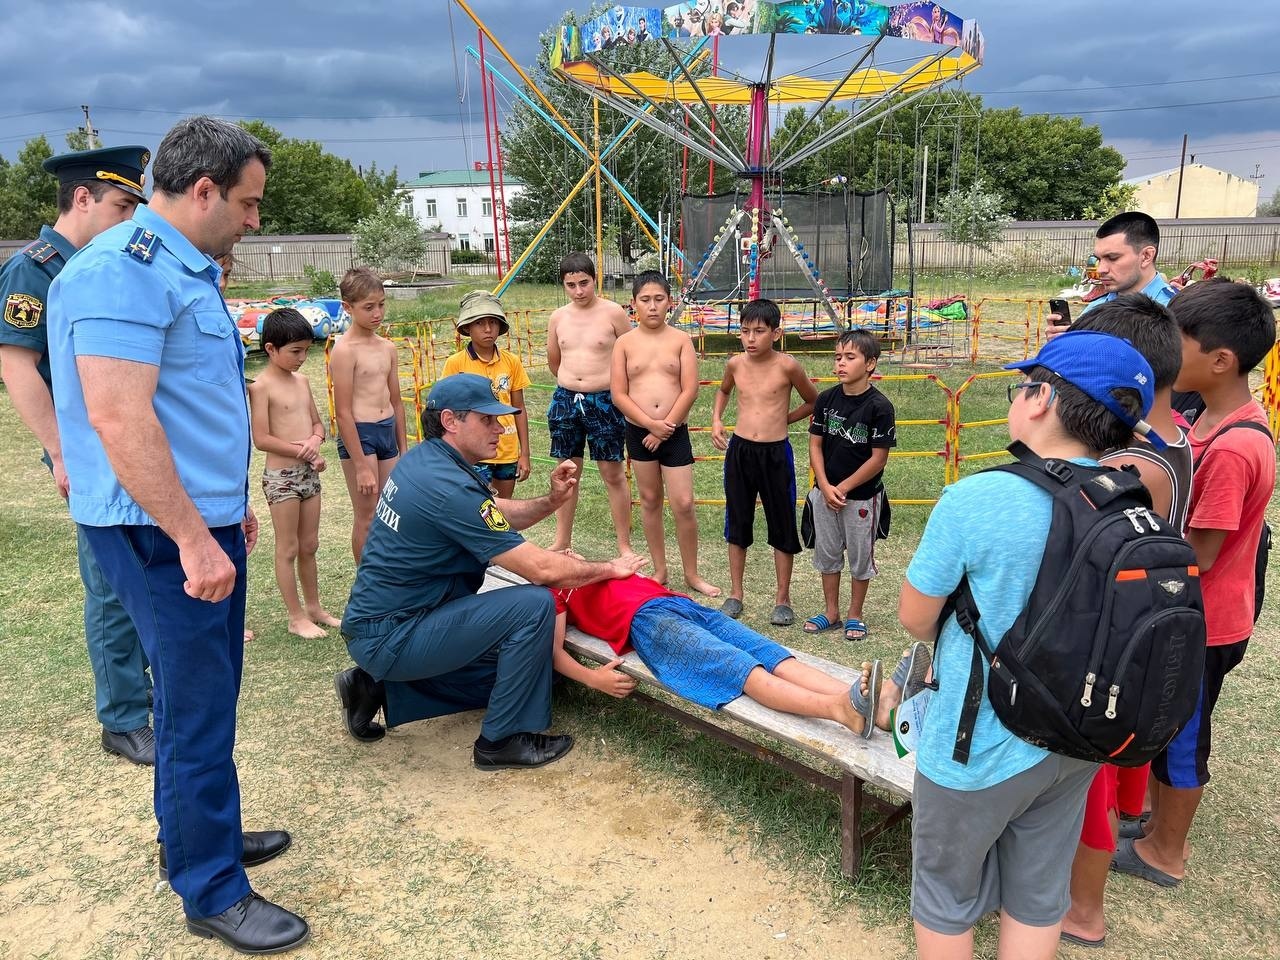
x: 711, y: 659
x: 1227, y: 330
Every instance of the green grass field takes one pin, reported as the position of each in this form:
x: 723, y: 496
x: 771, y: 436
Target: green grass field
x: 383, y: 867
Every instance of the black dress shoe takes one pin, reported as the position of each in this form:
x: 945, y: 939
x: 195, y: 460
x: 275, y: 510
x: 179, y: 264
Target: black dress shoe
x: 254, y: 925
x: 259, y: 847
x: 362, y: 697
x: 523, y: 750
x: 136, y: 746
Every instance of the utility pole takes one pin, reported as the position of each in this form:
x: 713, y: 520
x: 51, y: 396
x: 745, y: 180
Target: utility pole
x: 89, y: 131
x: 1256, y: 176
x: 1177, y: 204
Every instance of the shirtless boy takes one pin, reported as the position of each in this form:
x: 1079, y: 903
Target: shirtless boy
x: 288, y: 429
x: 758, y: 457
x: 366, y: 399
x: 655, y: 381
x: 580, y: 339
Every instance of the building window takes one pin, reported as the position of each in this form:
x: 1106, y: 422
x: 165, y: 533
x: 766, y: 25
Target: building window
x: 464, y: 242
x: 462, y: 206
x: 429, y: 208
x: 488, y: 244
x: 486, y: 207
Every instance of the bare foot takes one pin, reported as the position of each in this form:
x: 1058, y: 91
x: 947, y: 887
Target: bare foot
x: 660, y: 575
x: 845, y: 713
x: 323, y: 616
x: 248, y: 634
x: 304, y: 628
x: 696, y: 583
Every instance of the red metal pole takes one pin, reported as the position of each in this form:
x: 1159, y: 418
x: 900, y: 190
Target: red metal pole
x: 757, y: 140
x: 502, y: 188
x: 488, y: 144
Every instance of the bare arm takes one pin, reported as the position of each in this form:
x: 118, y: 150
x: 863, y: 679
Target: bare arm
x: 719, y: 436
x: 522, y: 435
x: 522, y: 514
x: 605, y: 678
x: 1207, y: 544
x: 263, y: 438
x: 621, y: 322
x: 34, y: 403
x: 118, y: 398
x: 397, y: 402
x: 620, y: 384
x: 875, y: 463
x: 808, y: 393
x: 1153, y: 478
x: 679, y: 412
x: 553, y: 345
x: 554, y: 569
x: 918, y: 612
x: 342, y: 369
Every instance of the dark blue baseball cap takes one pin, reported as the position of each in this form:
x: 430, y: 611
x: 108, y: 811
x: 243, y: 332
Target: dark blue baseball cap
x: 467, y: 391
x: 1098, y: 363
x: 120, y: 167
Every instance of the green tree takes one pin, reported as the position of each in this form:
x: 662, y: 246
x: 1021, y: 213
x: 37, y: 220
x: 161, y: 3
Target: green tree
x: 28, y: 195
x: 389, y: 239
x: 972, y: 216
x: 312, y: 191
x: 1270, y: 208
x: 1116, y: 198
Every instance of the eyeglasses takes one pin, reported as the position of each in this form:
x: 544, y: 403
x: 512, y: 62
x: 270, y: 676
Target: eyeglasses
x: 1010, y: 388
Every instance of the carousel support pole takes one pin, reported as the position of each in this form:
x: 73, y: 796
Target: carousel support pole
x: 756, y: 135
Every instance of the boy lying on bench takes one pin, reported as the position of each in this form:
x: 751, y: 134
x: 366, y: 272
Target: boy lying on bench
x: 710, y: 659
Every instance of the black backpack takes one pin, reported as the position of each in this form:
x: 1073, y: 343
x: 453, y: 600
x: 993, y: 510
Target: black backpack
x: 1105, y: 661
x: 1264, y: 541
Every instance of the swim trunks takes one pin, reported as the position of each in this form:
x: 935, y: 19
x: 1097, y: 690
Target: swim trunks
x: 578, y: 419
x: 376, y: 438
x: 290, y: 483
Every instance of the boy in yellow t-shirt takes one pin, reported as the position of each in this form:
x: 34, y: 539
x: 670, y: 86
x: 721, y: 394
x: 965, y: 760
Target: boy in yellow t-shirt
x: 481, y: 318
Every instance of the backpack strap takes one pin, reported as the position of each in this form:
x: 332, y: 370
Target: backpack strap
x: 1239, y: 424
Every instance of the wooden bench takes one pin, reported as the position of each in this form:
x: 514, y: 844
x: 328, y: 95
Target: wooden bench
x: 861, y: 762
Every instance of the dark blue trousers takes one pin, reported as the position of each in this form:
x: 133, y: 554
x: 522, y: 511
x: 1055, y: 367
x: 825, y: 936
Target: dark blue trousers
x: 196, y: 650
x: 115, y: 652
x: 490, y: 650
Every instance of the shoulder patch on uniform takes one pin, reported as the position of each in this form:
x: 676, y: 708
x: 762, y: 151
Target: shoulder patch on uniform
x: 142, y: 245
x: 23, y: 311
x: 41, y: 251
x: 493, y: 517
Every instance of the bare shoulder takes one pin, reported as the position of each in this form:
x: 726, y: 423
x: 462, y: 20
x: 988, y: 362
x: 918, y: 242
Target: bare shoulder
x: 259, y: 389
x: 557, y: 315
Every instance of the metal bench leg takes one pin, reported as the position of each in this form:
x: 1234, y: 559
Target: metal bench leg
x: 850, y: 826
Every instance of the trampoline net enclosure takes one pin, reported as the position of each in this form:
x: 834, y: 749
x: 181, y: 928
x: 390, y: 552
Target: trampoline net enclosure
x: 848, y: 236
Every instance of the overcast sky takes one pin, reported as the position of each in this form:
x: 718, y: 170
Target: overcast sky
x: 388, y: 81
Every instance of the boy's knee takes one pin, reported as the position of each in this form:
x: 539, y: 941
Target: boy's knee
x: 309, y: 546
x: 287, y: 550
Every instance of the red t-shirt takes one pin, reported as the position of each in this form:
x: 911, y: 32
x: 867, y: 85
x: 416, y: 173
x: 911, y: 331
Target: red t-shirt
x: 1230, y: 491
x: 605, y: 609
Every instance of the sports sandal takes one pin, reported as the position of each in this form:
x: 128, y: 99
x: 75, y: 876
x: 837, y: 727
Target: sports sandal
x: 820, y: 624
x: 866, y: 704
x: 782, y: 616
x: 1126, y: 860
x: 910, y: 674
x: 855, y: 626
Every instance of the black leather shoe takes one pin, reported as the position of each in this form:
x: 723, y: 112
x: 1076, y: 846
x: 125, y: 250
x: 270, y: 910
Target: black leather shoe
x: 523, y: 750
x: 259, y: 847
x: 136, y: 746
x: 254, y: 925
x: 362, y: 697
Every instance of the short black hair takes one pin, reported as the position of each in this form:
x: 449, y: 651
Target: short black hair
x: 432, y: 428
x: 284, y: 326
x: 577, y: 262
x: 1139, y: 229
x: 1086, y: 420
x: 1220, y: 314
x: 1145, y: 324
x: 761, y: 311
x: 646, y: 277
x: 863, y: 340
x: 67, y: 192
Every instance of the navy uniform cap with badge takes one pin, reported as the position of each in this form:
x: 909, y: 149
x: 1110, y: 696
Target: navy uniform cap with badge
x: 25, y: 277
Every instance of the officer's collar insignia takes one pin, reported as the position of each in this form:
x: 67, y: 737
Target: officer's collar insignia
x: 142, y: 245
x: 41, y: 251
x: 493, y: 517
x: 23, y: 311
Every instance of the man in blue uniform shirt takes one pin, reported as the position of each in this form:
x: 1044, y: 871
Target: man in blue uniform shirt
x: 426, y: 642
x: 97, y: 189
x: 148, y: 381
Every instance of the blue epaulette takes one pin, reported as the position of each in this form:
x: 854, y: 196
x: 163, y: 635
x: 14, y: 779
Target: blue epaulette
x: 142, y: 245
x: 41, y: 251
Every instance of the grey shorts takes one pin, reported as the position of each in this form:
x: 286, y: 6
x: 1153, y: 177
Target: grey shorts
x: 851, y: 530
x: 1007, y: 847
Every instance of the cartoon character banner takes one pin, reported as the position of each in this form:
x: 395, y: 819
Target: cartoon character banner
x: 921, y: 20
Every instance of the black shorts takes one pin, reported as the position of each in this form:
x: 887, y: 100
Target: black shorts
x: 767, y: 470
x: 1184, y: 763
x: 675, y: 451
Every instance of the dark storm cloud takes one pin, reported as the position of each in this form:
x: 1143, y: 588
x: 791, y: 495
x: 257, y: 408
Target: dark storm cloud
x: 376, y: 81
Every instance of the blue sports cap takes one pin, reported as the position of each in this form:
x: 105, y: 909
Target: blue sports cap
x: 1098, y: 363
x: 467, y: 391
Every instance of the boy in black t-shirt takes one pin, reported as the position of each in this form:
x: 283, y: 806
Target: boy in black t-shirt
x: 850, y: 435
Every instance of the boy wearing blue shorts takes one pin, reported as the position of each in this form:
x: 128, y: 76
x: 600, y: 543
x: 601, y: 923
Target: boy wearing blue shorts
x: 998, y: 830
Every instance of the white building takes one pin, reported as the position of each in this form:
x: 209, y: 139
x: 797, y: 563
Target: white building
x: 460, y: 203
x: 1206, y: 192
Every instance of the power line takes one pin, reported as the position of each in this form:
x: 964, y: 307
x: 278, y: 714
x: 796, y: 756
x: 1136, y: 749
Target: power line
x: 1127, y: 86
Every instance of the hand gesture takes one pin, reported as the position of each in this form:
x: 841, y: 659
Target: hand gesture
x: 835, y: 500
x: 719, y: 436
x: 250, y: 527
x: 319, y: 463
x: 366, y: 479
x: 209, y: 571
x: 308, y: 449
x: 564, y: 478
x: 662, y: 429
x: 522, y: 468
x: 625, y: 565
x: 609, y: 679
x: 1054, y: 326
x: 651, y: 442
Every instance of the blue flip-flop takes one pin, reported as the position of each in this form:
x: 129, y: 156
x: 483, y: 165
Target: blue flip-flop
x: 865, y: 704
x: 854, y: 625
x: 820, y: 624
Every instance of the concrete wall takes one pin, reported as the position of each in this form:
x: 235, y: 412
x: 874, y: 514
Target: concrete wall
x: 1206, y: 192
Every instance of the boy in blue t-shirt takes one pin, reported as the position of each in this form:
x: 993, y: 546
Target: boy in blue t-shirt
x: 999, y: 832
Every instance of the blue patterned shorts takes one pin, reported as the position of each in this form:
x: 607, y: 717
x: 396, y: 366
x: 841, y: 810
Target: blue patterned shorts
x: 579, y: 419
